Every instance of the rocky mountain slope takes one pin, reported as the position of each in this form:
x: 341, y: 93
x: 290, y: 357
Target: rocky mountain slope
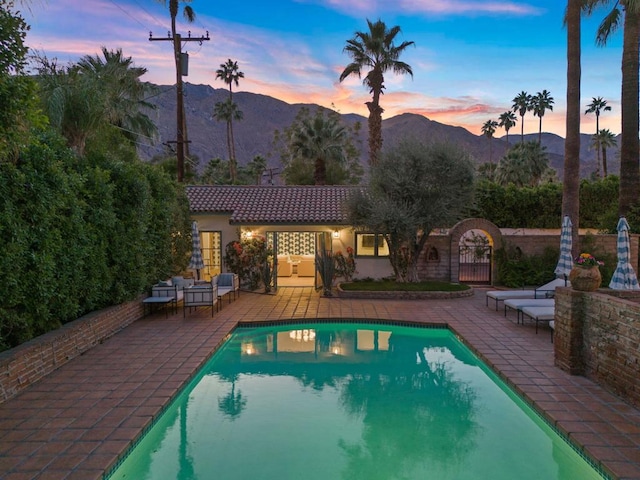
x: 263, y: 115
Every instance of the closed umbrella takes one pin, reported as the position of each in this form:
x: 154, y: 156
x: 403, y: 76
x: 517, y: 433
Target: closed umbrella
x: 196, y: 262
x: 565, y: 263
x: 624, y: 278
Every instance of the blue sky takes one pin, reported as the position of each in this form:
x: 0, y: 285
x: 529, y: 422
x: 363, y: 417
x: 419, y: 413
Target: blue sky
x: 471, y: 57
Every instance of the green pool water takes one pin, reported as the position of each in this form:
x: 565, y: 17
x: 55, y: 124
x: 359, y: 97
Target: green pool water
x: 349, y: 401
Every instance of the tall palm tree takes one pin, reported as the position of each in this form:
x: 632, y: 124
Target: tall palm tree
x: 597, y: 105
x: 488, y: 129
x: 377, y: 51
x: 507, y: 120
x: 603, y: 140
x: 229, y: 74
x: 629, y: 145
x: 540, y: 103
x: 228, y: 111
x: 190, y: 16
x: 571, y: 179
x: 522, y: 104
x: 322, y: 139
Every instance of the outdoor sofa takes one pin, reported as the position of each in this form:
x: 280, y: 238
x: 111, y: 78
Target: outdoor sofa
x: 173, y: 287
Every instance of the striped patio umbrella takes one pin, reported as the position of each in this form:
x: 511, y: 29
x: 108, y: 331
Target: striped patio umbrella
x: 196, y: 262
x: 624, y: 278
x: 565, y: 263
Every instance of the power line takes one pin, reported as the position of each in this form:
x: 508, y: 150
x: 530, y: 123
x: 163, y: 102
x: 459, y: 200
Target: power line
x: 128, y: 14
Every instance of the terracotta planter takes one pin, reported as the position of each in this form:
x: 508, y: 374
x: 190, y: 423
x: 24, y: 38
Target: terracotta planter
x: 585, y: 279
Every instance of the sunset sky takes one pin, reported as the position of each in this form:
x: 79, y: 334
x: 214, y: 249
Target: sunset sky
x: 471, y: 57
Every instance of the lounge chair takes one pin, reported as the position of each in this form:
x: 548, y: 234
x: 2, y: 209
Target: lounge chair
x: 518, y: 304
x: 545, y: 291
x: 540, y: 314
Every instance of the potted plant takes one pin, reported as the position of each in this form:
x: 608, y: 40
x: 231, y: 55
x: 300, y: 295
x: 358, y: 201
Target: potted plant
x: 585, y: 275
x: 326, y: 268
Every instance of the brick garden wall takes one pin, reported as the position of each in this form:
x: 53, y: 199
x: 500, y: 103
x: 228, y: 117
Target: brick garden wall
x: 598, y: 335
x: 443, y: 264
x: 29, y: 362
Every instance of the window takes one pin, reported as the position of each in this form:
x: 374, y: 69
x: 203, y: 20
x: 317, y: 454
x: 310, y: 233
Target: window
x: 371, y: 245
x: 211, y: 243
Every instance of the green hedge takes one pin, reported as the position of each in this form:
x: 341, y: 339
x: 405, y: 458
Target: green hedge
x: 541, y: 207
x: 81, y: 234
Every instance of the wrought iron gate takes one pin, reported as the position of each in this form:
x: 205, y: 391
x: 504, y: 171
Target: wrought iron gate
x: 475, y: 264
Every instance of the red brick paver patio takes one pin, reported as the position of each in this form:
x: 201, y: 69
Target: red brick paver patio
x: 77, y: 422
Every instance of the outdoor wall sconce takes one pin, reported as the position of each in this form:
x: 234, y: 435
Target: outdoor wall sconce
x: 336, y: 234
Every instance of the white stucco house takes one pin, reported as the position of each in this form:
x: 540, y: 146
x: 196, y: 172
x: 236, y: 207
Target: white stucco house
x: 296, y: 220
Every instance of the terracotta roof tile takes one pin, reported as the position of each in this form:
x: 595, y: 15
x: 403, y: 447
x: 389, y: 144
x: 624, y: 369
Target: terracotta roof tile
x: 256, y: 204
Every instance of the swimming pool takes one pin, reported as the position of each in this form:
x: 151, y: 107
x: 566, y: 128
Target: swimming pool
x: 349, y: 401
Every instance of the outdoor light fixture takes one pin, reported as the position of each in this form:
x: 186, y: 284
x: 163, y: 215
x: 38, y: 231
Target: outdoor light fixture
x: 336, y: 234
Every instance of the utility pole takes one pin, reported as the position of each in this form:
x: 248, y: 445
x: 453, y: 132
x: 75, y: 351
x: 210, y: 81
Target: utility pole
x: 180, y: 118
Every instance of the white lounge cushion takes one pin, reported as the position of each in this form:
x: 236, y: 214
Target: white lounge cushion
x: 545, y: 291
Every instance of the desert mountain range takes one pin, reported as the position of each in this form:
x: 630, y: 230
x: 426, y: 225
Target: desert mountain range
x: 262, y: 115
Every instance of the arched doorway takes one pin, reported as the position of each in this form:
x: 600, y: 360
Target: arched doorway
x: 475, y: 252
x: 472, y: 245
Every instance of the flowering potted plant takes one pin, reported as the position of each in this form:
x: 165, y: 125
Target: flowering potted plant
x: 585, y: 275
x: 588, y: 260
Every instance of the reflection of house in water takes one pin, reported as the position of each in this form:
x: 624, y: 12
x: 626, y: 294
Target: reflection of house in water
x: 298, y: 351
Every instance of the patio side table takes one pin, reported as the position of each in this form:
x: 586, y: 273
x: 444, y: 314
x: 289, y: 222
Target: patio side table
x: 160, y: 302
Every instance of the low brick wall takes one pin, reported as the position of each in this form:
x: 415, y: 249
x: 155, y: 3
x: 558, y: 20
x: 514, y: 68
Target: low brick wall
x: 598, y: 335
x: 400, y: 295
x: 29, y: 362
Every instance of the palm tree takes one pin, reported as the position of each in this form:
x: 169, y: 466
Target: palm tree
x: 629, y: 144
x: 124, y: 93
x: 540, y: 103
x: 571, y: 179
x: 229, y: 74
x: 522, y: 104
x: 256, y: 167
x: 597, y: 105
x: 603, y: 140
x: 376, y: 50
x: 507, y: 120
x: 82, y: 100
x: 526, y: 164
x: 488, y: 129
x: 190, y: 16
x: 322, y: 139
x: 228, y: 111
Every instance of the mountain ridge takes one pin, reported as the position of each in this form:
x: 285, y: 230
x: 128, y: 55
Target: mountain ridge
x: 263, y: 115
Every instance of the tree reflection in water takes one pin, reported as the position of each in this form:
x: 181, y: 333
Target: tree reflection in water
x: 414, y: 412
x: 413, y: 409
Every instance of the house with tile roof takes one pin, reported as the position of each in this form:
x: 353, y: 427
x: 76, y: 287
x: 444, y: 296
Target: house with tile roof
x: 296, y: 220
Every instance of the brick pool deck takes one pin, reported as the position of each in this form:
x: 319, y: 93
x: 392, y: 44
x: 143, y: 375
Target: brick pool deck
x: 77, y: 422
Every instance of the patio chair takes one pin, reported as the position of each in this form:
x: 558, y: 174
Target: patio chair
x: 518, y: 304
x: 200, y: 296
x: 228, y: 283
x: 547, y: 290
x: 540, y: 314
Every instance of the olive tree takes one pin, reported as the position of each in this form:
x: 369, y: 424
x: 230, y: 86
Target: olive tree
x: 415, y: 188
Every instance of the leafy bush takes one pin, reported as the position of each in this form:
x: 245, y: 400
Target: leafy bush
x: 251, y: 260
x: 512, y: 207
x: 80, y: 235
x: 517, y: 270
